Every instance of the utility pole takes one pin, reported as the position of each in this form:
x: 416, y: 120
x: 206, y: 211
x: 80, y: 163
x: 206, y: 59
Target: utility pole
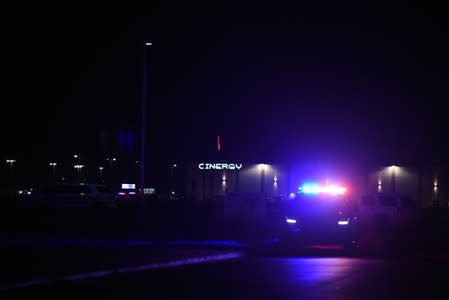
x: 143, y: 124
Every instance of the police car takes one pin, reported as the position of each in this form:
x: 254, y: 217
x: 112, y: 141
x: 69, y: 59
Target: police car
x: 320, y: 215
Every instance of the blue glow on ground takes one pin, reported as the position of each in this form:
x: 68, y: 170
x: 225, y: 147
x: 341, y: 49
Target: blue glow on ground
x: 121, y: 243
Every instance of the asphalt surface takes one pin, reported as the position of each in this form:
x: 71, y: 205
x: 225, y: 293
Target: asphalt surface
x: 24, y: 264
x: 250, y: 277
x: 132, y: 253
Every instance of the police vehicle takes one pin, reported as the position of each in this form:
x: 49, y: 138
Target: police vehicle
x: 320, y: 215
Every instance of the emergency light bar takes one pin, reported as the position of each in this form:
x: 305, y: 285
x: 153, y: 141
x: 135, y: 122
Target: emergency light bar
x: 315, y: 189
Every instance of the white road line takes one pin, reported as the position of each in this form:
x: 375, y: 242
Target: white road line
x: 147, y: 267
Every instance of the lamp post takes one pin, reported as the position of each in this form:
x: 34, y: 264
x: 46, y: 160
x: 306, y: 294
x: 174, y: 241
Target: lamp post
x: 53, y: 165
x: 393, y: 178
x: 111, y: 160
x: 11, y: 162
x: 262, y: 178
x: 143, y: 120
x: 78, y: 168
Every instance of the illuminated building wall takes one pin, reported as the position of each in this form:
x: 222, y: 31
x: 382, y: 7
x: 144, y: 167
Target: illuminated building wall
x: 425, y: 186
x: 206, y: 180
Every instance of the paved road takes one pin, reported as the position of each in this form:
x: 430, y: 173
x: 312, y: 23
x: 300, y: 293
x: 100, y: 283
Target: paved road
x: 262, y: 277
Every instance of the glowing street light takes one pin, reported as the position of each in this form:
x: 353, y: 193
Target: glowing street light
x: 11, y: 162
x: 53, y: 165
x: 101, y: 171
x: 393, y: 169
x: 77, y: 157
x: 78, y: 168
x: 111, y: 160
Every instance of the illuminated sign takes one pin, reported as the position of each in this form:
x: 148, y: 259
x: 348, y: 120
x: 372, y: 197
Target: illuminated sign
x: 219, y: 166
x: 128, y: 186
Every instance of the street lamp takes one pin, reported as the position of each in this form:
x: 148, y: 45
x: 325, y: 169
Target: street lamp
x: 101, y: 171
x: 78, y: 168
x: 78, y: 157
x: 10, y: 162
x: 53, y: 165
x: 143, y: 119
x: 111, y: 160
x: 393, y: 169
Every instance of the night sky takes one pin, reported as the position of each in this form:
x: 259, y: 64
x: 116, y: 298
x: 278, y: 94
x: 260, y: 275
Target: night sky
x: 276, y: 83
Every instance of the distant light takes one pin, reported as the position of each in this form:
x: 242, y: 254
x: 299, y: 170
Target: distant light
x: 275, y: 179
x: 128, y: 186
x: 313, y: 188
x: 292, y: 196
x: 10, y: 161
x: 114, y: 159
x: 172, y: 193
x: 310, y: 188
x: 379, y: 182
x: 28, y: 193
x: 78, y: 166
x: 52, y: 164
x: 262, y: 167
x: 333, y: 190
x: 131, y: 193
x: 343, y: 222
x: 121, y: 193
x: 148, y: 44
x: 100, y: 168
x: 290, y: 221
x: 75, y: 156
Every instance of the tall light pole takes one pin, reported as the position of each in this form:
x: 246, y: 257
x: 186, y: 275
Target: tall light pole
x: 143, y: 120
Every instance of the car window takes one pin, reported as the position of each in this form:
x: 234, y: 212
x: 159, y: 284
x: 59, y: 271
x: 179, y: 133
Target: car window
x: 368, y: 200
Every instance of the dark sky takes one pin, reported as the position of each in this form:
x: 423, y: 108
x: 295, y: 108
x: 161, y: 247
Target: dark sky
x: 329, y: 82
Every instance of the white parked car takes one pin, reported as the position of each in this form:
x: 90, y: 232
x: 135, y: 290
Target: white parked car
x: 82, y: 195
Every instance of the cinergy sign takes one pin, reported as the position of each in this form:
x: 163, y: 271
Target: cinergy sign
x: 219, y: 166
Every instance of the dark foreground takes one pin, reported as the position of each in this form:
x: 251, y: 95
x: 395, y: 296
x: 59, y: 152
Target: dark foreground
x: 265, y: 278
x: 152, y: 253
